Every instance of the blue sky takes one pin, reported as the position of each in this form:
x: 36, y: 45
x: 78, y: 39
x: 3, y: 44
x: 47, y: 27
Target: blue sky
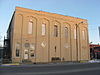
x: 86, y: 9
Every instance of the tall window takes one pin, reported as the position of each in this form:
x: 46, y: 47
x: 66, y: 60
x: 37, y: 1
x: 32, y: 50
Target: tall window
x: 75, y: 34
x: 66, y: 32
x: 30, y: 27
x: 17, y: 49
x: 43, y: 29
x: 17, y: 52
x: 83, y: 35
x: 55, y: 30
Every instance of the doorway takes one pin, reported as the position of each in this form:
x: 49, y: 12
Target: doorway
x: 26, y: 54
x: 26, y: 51
x: 56, y: 56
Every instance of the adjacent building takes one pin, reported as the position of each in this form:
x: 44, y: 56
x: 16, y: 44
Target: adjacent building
x: 94, y: 51
x: 1, y: 54
x: 39, y: 36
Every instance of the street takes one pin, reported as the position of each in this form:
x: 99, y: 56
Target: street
x: 52, y: 69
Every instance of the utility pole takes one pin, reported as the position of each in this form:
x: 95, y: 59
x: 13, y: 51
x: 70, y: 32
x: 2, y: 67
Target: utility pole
x: 99, y: 31
x: 0, y: 41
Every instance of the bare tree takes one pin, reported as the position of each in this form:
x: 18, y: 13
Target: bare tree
x: 0, y: 40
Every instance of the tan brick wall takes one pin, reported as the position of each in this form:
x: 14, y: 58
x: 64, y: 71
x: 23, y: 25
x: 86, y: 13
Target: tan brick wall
x: 67, y: 49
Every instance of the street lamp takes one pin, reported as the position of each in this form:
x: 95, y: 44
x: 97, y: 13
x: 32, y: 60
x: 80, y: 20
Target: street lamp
x: 77, y: 46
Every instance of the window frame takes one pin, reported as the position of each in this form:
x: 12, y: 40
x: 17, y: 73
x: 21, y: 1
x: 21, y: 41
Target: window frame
x: 30, y: 27
x: 17, y: 52
x: 66, y: 32
x: 17, y: 49
x: 43, y: 29
x: 55, y: 30
x: 75, y: 34
x: 83, y: 34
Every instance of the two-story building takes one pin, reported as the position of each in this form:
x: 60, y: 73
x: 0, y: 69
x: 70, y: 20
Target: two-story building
x: 39, y: 36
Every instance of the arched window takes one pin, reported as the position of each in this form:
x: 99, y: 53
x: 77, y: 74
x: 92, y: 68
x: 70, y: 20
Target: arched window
x: 83, y: 35
x: 66, y: 32
x: 55, y: 30
x: 75, y: 34
x: 17, y: 49
x: 43, y: 29
x: 30, y: 27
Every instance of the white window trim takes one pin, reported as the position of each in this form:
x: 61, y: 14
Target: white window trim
x: 43, y: 29
x: 83, y: 35
x: 30, y: 27
x: 75, y: 34
x: 56, y: 31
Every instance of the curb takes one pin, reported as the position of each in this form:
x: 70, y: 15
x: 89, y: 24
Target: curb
x: 11, y: 64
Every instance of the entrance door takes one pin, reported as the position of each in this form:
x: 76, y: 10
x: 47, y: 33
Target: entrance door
x: 26, y: 51
x: 26, y: 54
x: 29, y: 52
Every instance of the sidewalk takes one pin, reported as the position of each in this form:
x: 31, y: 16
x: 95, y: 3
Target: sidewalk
x: 53, y: 64
x: 10, y: 64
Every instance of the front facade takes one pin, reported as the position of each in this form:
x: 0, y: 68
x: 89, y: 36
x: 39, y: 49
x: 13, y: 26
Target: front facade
x: 39, y: 36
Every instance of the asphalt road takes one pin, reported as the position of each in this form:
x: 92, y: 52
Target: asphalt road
x: 52, y: 69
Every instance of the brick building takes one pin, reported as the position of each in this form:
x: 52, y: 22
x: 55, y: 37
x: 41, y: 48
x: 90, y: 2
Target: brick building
x: 39, y: 36
x: 94, y: 51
